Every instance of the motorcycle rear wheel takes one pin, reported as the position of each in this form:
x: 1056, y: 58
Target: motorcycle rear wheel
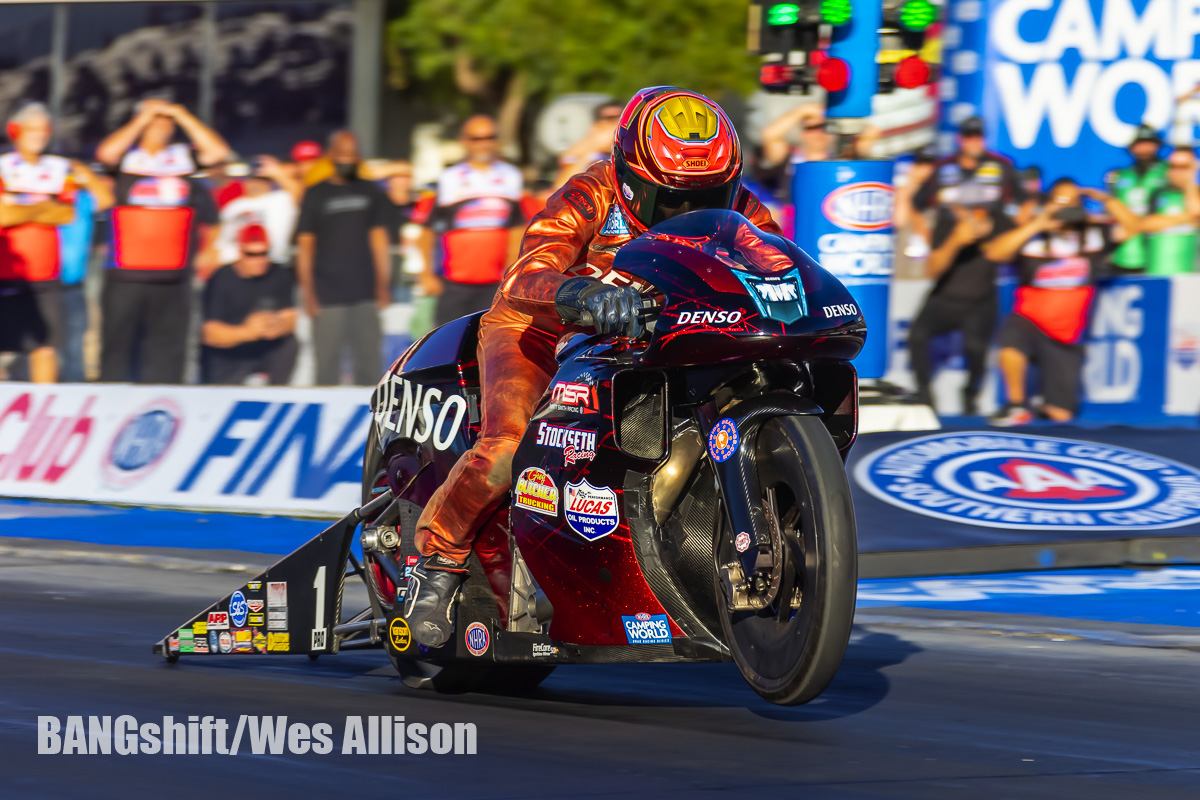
x: 789, y: 654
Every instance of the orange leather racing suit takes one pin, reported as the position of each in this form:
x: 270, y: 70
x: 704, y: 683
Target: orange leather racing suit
x: 572, y: 237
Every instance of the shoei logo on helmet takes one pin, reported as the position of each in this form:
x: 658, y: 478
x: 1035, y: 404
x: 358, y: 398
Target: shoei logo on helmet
x: 1003, y: 480
x: 477, y: 638
x: 863, y: 206
x: 778, y: 297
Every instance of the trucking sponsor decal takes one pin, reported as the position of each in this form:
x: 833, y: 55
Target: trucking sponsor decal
x: 535, y: 491
x: 646, y: 628
x: 591, y: 511
x: 576, y: 444
x: 1027, y: 482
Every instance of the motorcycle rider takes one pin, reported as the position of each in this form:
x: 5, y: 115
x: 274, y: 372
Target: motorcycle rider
x: 674, y: 151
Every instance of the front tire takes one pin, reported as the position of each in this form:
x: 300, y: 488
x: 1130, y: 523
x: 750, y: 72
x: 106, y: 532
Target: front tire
x: 789, y: 654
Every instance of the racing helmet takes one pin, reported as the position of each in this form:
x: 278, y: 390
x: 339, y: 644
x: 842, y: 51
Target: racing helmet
x: 674, y: 151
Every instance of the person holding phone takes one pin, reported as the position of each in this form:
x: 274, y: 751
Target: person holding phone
x: 249, y: 317
x: 1058, y: 256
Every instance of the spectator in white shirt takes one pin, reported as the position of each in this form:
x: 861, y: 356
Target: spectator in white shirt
x: 271, y: 205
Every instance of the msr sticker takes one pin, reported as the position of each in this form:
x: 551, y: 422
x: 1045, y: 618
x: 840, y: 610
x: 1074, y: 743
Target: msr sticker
x: 535, y: 491
x: 578, y: 397
x: 647, y: 629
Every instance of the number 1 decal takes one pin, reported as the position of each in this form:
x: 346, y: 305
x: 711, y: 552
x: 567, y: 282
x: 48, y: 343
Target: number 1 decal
x: 318, y: 631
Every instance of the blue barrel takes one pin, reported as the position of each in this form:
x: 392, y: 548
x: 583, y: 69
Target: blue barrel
x: 844, y: 220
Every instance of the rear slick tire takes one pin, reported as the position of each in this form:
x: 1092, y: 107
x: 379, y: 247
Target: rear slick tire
x: 789, y: 655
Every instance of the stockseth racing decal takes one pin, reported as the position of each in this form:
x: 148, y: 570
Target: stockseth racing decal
x: 535, y: 491
x: 1032, y: 483
x: 576, y: 444
x: 591, y: 511
x: 647, y: 629
x: 407, y: 409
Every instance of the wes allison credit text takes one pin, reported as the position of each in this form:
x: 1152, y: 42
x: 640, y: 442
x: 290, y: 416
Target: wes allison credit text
x: 258, y: 735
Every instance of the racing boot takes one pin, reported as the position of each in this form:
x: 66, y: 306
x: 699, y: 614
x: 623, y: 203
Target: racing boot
x: 432, y: 589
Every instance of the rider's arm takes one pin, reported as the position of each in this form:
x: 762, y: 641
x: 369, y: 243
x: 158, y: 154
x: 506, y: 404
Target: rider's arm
x: 553, y: 242
x: 758, y: 214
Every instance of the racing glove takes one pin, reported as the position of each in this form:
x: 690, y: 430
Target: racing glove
x: 608, y: 309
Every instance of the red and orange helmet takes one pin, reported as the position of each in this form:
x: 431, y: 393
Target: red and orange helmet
x: 674, y: 151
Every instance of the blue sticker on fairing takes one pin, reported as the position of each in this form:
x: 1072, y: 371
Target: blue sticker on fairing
x: 238, y: 610
x: 723, y: 440
x: 647, y: 629
x: 779, y: 297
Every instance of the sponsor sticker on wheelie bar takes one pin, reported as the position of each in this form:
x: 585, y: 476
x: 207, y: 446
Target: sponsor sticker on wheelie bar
x: 646, y: 628
x: 535, y: 491
x: 591, y: 511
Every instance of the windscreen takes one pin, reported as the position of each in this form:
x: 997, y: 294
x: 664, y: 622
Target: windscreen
x: 731, y: 238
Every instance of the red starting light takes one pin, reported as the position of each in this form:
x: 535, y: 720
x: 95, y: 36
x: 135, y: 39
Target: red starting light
x: 911, y: 73
x: 833, y: 75
x: 775, y: 74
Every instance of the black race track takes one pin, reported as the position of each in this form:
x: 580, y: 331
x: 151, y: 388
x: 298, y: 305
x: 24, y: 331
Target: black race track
x: 916, y: 712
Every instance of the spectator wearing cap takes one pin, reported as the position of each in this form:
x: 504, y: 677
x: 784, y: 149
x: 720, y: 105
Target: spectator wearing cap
x: 266, y: 201
x: 343, y: 266
x: 593, y: 147
x: 973, y: 177
x: 478, y: 221
x: 1133, y: 186
x: 249, y: 316
x: 163, y: 226
x: 37, y: 195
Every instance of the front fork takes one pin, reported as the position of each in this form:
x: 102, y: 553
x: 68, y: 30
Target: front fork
x: 752, y: 578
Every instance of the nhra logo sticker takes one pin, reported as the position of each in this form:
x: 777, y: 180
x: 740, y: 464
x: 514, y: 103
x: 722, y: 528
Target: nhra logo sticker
x: 591, y: 511
x: 141, y: 443
x: 477, y: 638
x: 536, y: 491
x: 863, y: 206
x: 647, y: 629
x: 1032, y: 483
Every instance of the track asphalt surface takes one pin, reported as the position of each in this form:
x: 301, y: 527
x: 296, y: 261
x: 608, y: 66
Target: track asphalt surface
x: 951, y: 688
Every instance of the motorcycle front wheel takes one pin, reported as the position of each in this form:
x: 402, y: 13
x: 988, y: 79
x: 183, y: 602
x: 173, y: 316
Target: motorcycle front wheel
x: 790, y: 650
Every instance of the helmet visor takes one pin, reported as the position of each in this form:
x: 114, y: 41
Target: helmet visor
x: 651, y: 203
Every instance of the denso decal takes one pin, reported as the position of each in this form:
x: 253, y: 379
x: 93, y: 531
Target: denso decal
x: 1032, y: 483
x: 141, y: 443
x: 256, y: 437
x: 840, y: 310
x: 407, y: 408
x: 865, y: 206
x: 579, y: 397
x: 646, y: 628
x: 535, y: 491
x: 714, y: 318
x: 48, y: 439
x: 576, y: 444
x: 591, y: 511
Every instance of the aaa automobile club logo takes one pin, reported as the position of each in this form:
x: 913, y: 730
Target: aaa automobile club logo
x: 1032, y: 483
x: 141, y: 443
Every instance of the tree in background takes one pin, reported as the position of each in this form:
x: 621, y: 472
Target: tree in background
x: 503, y: 52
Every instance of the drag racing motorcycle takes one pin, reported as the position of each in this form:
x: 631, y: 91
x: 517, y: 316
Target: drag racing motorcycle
x: 678, y: 497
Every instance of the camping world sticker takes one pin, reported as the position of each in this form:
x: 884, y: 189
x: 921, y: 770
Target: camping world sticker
x: 1000, y: 480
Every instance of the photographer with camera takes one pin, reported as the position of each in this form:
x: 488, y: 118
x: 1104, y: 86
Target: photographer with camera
x: 1058, y: 256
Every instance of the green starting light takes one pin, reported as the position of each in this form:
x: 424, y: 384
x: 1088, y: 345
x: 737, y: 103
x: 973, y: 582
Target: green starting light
x: 917, y: 15
x: 783, y: 14
x: 836, y: 12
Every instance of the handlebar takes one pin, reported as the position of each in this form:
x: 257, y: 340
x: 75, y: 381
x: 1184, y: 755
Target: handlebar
x: 647, y: 314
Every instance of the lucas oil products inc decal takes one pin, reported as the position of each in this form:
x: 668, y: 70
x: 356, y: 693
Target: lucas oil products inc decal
x: 535, y: 491
x: 1026, y: 482
x: 647, y: 629
x: 591, y: 511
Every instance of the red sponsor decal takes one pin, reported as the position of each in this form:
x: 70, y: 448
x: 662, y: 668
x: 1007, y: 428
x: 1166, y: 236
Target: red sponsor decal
x: 47, y: 444
x: 578, y: 396
x: 581, y: 202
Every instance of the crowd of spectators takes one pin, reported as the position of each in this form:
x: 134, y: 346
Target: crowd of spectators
x: 1057, y: 244
x: 202, y: 266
